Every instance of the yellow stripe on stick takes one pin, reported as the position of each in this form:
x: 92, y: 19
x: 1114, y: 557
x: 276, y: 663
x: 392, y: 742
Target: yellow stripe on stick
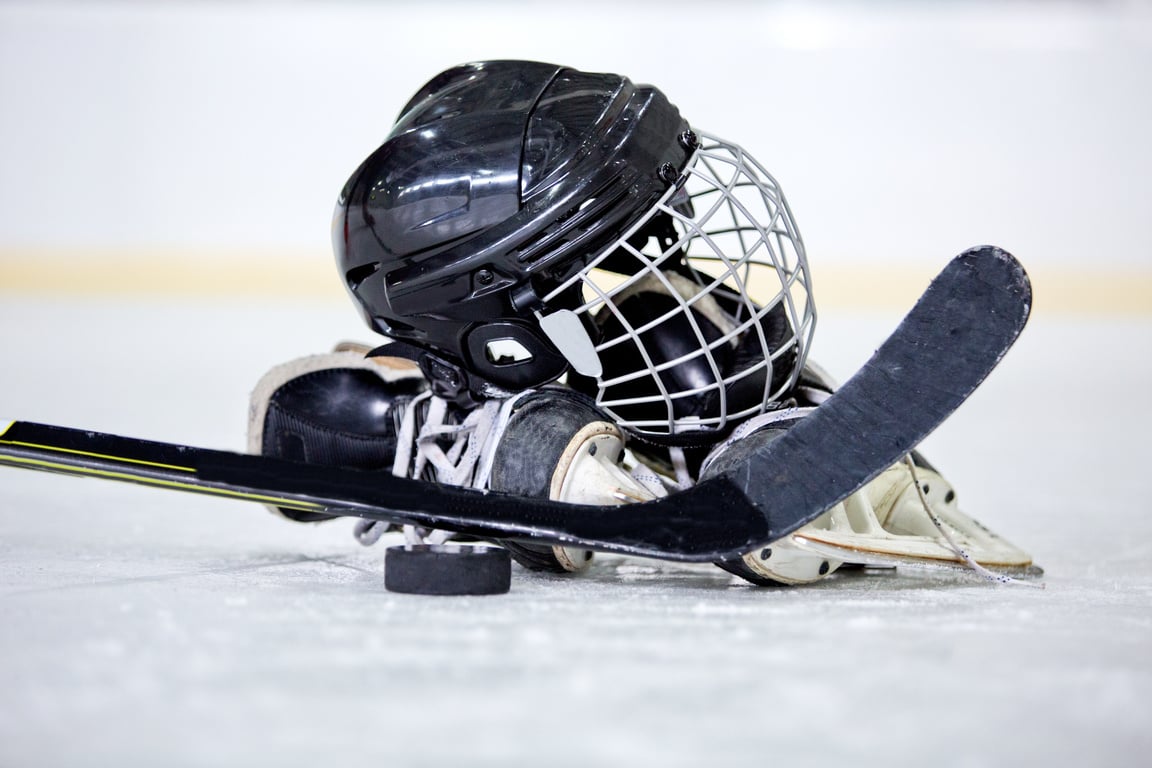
x: 72, y: 469
x: 121, y: 459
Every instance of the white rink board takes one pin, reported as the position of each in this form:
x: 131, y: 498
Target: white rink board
x: 896, y: 129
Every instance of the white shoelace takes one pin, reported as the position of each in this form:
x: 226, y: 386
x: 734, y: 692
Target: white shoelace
x: 960, y: 552
x: 458, y: 454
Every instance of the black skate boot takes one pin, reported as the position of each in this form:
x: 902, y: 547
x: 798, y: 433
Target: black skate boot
x: 336, y: 409
x: 559, y: 445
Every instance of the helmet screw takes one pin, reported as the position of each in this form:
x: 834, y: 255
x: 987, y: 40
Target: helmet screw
x: 485, y: 277
x: 689, y: 140
x: 668, y: 173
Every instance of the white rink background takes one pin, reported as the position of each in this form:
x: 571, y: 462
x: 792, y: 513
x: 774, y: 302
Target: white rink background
x: 144, y: 146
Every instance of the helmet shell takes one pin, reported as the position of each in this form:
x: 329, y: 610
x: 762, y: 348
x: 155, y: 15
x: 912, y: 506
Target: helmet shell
x: 499, y: 180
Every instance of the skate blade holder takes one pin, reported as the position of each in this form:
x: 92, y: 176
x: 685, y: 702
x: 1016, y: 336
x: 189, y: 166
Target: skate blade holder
x: 447, y: 569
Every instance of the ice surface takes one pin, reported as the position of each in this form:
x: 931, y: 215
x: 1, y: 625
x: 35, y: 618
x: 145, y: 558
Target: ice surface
x: 143, y: 627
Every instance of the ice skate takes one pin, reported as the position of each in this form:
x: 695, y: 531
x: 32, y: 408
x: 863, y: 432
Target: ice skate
x: 907, y: 516
x: 377, y: 413
x: 336, y: 409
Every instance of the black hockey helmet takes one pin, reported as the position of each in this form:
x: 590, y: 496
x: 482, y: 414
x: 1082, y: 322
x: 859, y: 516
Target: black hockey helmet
x: 496, y: 181
x: 476, y: 233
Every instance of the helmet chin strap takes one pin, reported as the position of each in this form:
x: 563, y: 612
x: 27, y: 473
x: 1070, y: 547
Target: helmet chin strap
x: 564, y: 329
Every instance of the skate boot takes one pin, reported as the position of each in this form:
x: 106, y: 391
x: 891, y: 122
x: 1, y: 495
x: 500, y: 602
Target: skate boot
x: 547, y: 443
x: 336, y: 409
x: 907, y: 516
x: 377, y: 413
x: 358, y: 410
x: 559, y: 445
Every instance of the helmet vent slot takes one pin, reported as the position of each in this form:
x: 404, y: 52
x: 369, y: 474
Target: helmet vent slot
x: 574, y: 226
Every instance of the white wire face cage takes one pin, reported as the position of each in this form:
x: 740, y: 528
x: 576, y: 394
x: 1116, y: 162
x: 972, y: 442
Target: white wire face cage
x: 703, y: 309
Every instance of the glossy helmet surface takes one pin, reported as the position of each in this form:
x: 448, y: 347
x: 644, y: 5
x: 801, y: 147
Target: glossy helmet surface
x: 523, y: 221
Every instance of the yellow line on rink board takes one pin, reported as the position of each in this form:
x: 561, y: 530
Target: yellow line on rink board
x: 294, y: 275
x: 168, y: 273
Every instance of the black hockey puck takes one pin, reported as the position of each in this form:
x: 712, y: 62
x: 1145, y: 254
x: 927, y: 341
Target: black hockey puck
x: 447, y: 569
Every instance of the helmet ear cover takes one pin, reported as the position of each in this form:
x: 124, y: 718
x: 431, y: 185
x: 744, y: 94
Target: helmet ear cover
x: 512, y: 355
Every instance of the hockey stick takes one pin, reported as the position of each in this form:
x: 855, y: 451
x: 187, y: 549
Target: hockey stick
x: 951, y: 340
